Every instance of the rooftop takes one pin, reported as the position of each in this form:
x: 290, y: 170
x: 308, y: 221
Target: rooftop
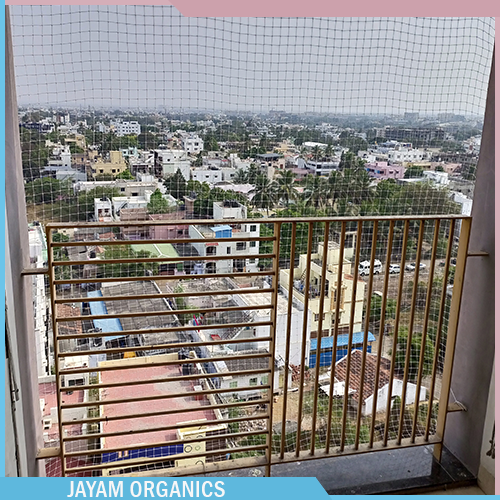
x: 129, y: 374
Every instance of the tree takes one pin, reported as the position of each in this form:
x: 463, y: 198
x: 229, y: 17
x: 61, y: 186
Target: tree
x: 414, y: 354
x: 126, y: 174
x: 264, y: 193
x: 47, y: 190
x: 253, y: 172
x: 414, y: 171
x: 316, y: 191
x: 176, y: 185
x: 439, y: 168
x: 158, y: 204
x: 119, y: 270
x: 240, y: 177
x: 285, y: 186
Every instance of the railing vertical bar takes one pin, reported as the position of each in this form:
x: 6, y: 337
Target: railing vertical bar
x: 57, y: 360
x: 395, y: 334
x: 382, y: 328
x: 458, y: 285
x: 304, y: 336
x: 351, y: 333
x: 367, y: 326
x: 406, y: 375
x: 426, y: 324
x: 439, y: 328
x: 288, y: 334
x: 340, y: 269
x: 320, y: 332
x: 272, y: 346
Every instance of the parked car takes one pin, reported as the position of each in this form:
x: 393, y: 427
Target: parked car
x: 412, y: 265
x: 394, y: 269
x: 364, y: 267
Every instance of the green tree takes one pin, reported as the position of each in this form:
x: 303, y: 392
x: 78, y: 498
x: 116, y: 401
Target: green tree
x: 47, y: 190
x: 414, y: 354
x: 121, y: 269
x: 158, y: 204
x: 285, y: 186
x: 176, y: 185
x: 126, y: 174
x: 264, y: 193
x: 414, y: 171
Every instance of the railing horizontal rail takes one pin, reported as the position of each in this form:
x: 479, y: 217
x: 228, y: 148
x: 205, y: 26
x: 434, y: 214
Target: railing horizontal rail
x: 281, y: 220
x: 165, y: 379
x: 182, y: 425
x: 152, y: 446
x: 102, y: 243
x: 166, y: 296
x: 123, y: 464
x: 122, y: 333
x: 173, y: 362
x: 188, y: 258
x: 162, y: 346
x: 163, y: 396
x: 159, y: 313
x: 109, y: 418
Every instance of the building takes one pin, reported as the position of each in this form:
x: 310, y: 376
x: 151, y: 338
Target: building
x: 407, y: 155
x: 185, y: 408
x: 240, y: 252
x: 38, y: 259
x: 116, y: 165
x: 332, y: 298
x: 327, y: 349
x: 192, y: 143
x: 234, y: 363
x: 369, y: 382
x: 126, y: 128
x: 381, y: 170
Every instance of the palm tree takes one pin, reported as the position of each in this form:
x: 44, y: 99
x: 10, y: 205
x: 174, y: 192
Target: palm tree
x: 264, y: 193
x: 240, y: 177
x: 286, y: 190
x: 253, y: 172
x: 315, y: 191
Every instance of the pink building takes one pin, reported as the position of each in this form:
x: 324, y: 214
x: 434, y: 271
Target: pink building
x: 174, y: 231
x: 381, y: 170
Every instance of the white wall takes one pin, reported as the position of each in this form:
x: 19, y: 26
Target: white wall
x: 397, y: 390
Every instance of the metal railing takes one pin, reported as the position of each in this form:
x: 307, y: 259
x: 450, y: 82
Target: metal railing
x: 239, y: 393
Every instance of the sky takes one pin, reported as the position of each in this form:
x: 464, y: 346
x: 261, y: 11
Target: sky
x: 153, y: 57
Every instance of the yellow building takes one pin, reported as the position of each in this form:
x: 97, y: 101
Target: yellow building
x: 116, y: 165
x: 332, y: 297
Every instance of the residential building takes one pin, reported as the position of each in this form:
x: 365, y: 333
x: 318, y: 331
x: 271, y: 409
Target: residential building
x: 126, y: 128
x: 380, y: 170
x: 332, y: 297
x: 356, y: 380
x: 192, y: 143
x: 116, y: 165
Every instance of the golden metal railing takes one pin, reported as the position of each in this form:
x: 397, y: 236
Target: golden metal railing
x: 137, y: 396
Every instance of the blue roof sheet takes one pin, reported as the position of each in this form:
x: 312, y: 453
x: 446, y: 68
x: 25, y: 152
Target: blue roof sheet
x: 342, y: 340
x: 110, y: 325
x: 221, y: 228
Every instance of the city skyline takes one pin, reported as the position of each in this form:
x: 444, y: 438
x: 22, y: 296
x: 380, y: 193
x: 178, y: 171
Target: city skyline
x: 153, y: 57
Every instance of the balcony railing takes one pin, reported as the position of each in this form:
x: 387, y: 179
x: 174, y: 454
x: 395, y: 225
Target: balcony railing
x: 200, y: 371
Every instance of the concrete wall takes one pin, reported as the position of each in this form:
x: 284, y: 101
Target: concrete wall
x: 474, y: 356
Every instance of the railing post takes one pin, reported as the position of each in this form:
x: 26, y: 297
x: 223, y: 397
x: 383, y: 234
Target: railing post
x: 458, y: 284
x: 272, y: 345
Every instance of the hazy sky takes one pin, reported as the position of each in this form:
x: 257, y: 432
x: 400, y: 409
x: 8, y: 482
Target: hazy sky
x: 145, y: 56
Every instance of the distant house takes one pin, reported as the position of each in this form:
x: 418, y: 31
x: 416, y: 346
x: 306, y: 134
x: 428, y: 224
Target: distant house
x: 369, y: 382
x: 382, y: 171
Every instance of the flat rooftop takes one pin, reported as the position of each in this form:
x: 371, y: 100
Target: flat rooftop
x: 201, y: 405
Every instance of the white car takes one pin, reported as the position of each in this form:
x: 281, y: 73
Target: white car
x: 413, y: 265
x: 394, y: 269
x: 364, y: 267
